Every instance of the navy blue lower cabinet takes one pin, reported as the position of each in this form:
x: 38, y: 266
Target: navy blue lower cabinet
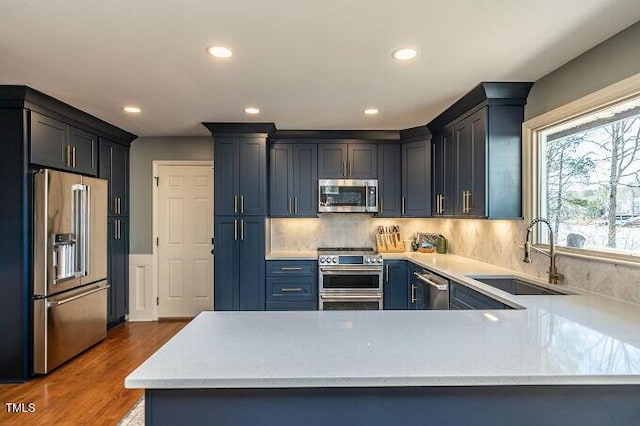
x: 465, y: 298
x: 239, y: 266
x: 291, y: 285
x: 396, y: 289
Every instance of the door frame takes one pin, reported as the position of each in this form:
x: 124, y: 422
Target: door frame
x: 154, y: 227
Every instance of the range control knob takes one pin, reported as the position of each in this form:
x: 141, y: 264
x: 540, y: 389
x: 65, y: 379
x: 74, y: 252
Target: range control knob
x: 322, y: 260
x: 335, y: 259
x: 367, y: 260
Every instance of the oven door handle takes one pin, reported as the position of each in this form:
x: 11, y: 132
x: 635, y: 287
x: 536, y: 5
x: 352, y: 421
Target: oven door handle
x: 336, y: 271
x: 351, y: 296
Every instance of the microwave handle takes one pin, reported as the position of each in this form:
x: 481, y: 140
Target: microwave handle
x: 366, y: 196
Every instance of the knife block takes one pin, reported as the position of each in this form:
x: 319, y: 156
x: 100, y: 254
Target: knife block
x: 389, y: 247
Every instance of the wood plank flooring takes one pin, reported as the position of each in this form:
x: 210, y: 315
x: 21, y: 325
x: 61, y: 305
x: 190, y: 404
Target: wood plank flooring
x: 89, y: 390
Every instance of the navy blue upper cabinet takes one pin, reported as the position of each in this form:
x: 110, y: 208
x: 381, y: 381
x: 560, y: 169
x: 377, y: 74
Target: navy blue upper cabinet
x: 62, y: 146
x: 416, y: 179
x: 347, y: 161
x: 114, y: 167
x: 443, y: 195
x: 332, y: 160
x: 470, y: 142
x: 293, y: 180
x: 389, y: 180
x: 240, y: 175
x: 396, y: 294
x: 239, y: 267
x: 362, y: 162
x: 479, y: 167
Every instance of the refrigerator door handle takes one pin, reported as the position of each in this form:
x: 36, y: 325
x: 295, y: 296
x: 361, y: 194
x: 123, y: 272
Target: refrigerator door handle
x: 77, y: 296
x: 82, y: 227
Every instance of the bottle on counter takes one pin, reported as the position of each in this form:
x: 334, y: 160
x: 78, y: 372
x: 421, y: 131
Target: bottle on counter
x: 441, y: 244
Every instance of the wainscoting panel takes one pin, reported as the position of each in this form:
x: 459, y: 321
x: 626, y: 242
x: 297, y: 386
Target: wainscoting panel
x: 142, y: 287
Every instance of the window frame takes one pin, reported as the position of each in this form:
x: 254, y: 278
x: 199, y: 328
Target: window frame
x: 532, y: 173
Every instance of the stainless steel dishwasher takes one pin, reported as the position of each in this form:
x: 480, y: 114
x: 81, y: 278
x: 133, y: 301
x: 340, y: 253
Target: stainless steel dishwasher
x: 438, y: 289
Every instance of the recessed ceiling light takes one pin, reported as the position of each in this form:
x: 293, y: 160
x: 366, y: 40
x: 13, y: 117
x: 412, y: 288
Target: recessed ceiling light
x: 219, y: 52
x: 371, y: 111
x: 252, y: 110
x: 404, y: 54
x: 132, y: 109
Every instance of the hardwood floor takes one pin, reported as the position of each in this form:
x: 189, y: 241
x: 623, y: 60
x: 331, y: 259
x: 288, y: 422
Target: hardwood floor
x: 89, y: 390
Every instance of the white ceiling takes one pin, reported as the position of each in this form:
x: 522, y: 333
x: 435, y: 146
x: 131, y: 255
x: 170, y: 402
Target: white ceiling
x: 307, y: 64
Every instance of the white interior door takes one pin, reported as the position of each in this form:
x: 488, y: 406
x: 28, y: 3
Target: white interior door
x: 185, y: 221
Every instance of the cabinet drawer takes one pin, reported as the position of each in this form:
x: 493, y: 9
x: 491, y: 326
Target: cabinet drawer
x: 466, y: 298
x: 292, y: 306
x: 292, y: 289
x: 291, y: 267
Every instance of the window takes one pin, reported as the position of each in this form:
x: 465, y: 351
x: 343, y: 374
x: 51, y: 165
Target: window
x: 585, y: 173
x: 590, y: 190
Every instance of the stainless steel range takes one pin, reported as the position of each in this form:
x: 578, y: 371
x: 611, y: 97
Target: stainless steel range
x: 349, y: 279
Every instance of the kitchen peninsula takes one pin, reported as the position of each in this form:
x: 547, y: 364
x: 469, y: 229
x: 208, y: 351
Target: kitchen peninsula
x: 571, y: 360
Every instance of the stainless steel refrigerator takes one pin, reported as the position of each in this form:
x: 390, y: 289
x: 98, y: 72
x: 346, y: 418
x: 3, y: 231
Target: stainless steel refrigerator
x: 69, y: 266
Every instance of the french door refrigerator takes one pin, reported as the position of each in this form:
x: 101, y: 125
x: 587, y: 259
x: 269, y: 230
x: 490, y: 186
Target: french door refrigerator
x: 69, y: 266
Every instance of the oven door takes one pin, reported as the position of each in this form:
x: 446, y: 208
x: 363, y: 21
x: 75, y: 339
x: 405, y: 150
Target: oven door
x: 354, y: 195
x: 345, y: 301
x: 350, y: 278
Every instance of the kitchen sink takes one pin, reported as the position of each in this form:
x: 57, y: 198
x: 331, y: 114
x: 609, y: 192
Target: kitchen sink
x: 519, y: 286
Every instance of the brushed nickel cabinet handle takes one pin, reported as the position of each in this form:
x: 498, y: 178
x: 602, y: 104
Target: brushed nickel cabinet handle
x: 468, y: 201
x: 289, y: 205
x: 386, y: 267
x: 242, y: 204
x: 349, y: 173
x: 115, y: 205
x: 442, y: 204
x: 242, y: 229
x: 291, y: 290
x: 290, y: 268
x: 235, y: 204
x: 67, y: 160
x: 235, y: 229
x: 344, y: 169
x: 413, y: 293
x: 403, y: 209
x: 295, y: 205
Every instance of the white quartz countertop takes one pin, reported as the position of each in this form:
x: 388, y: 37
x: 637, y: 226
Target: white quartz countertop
x: 577, y: 339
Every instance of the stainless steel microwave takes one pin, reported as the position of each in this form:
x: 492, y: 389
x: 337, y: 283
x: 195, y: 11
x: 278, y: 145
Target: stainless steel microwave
x: 347, y: 195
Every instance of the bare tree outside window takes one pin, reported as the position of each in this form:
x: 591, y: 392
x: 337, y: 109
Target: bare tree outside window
x: 591, y: 179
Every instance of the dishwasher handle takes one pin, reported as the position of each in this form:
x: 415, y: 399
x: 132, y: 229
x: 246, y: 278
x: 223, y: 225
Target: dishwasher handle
x: 438, y: 286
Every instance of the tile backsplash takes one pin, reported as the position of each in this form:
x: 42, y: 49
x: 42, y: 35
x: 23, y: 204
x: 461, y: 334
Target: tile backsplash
x: 498, y: 242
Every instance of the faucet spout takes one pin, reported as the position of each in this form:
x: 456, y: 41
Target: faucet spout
x: 554, y: 276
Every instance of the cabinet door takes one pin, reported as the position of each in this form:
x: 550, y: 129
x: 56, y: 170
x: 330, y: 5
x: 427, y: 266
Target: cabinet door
x: 464, y: 162
x: 118, y: 269
x: 389, y: 180
x: 84, y: 147
x: 362, y: 161
x: 226, y: 160
x: 226, y: 263
x: 114, y: 167
x: 438, y: 160
x: 478, y: 122
x: 305, y: 180
x: 253, y: 176
x: 449, y: 148
x: 416, y: 179
x: 252, y: 264
x: 120, y: 178
x: 332, y: 160
x: 280, y: 173
x: 48, y: 141
x: 396, y: 288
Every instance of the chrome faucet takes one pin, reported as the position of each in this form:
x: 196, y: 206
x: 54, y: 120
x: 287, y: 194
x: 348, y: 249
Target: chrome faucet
x: 554, y: 276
